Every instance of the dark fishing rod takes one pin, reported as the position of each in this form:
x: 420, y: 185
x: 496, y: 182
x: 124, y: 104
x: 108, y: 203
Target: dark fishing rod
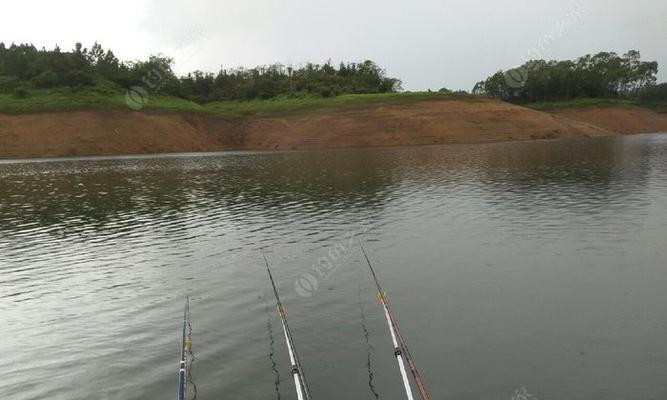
x: 185, y: 347
x: 302, y: 388
x: 401, y: 350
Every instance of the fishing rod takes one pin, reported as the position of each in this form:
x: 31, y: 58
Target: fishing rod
x: 302, y: 388
x: 400, y: 346
x: 185, y: 347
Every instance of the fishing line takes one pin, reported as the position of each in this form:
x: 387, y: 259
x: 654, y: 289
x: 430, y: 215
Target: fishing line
x: 300, y: 381
x: 272, y: 351
x: 401, y: 350
x: 369, y: 348
x: 193, y: 358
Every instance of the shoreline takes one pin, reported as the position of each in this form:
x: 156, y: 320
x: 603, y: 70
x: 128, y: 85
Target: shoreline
x: 215, y: 153
x: 54, y: 135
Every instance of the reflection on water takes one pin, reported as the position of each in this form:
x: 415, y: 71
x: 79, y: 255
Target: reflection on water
x: 537, y: 265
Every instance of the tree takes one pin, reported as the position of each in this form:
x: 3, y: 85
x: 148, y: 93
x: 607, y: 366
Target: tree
x: 46, y: 79
x: 605, y: 74
x: 78, y: 79
x: 24, y: 65
x: 8, y: 84
x: 653, y: 94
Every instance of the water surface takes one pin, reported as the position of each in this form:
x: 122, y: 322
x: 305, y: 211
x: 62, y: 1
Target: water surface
x: 536, y: 265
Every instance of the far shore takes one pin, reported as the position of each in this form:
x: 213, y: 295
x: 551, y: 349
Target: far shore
x: 420, y: 121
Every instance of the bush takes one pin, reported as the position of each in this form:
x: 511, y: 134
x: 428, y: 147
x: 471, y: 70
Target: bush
x: 79, y: 68
x: 105, y: 86
x: 8, y: 84
x: 21, y: 92
x: 78, y: 78
x: 326, y: 91
x: 46, y: 79
x: 653, y: 94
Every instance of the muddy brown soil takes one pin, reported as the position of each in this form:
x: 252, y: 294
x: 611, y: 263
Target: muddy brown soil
x: 620, y: 119
x: 420, y: 123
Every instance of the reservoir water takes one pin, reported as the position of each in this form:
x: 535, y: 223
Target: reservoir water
x: 524, y: 270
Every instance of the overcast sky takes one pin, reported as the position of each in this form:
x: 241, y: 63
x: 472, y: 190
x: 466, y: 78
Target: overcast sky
x: 426, y: 43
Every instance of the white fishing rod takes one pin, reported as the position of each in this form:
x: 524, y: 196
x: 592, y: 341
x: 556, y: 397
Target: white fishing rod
x: 185, y: 347
x: 400, y: 347
x: 302, y: 388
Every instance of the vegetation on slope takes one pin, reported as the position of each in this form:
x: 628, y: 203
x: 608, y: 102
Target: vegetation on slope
x: 23, y: 67
x: 655, y: 97
x: 33, y: 80
x: 605, y: 75
x: 53, y: 100
x: 581, y: 103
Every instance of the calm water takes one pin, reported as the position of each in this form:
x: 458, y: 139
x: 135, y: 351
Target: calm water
x: 518, y: 265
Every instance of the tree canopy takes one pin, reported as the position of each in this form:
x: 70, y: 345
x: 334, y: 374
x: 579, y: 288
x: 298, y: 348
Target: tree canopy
x: 654, y: 94
x: 604, y: 75
x: 24, y: 67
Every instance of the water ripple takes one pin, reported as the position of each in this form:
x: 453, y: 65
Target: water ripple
x: 98, y: 254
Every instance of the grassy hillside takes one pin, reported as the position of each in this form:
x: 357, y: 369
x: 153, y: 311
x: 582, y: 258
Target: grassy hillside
x: 589, y: 103
x: 55, y: 100
x: 580, y: 103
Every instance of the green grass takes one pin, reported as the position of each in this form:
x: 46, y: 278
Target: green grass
x: 583, y: 103
x: 580, y: 103
x: 46, y: 100
x: 658, y: 107
x: 291, y: 105
x: 55, y: 100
